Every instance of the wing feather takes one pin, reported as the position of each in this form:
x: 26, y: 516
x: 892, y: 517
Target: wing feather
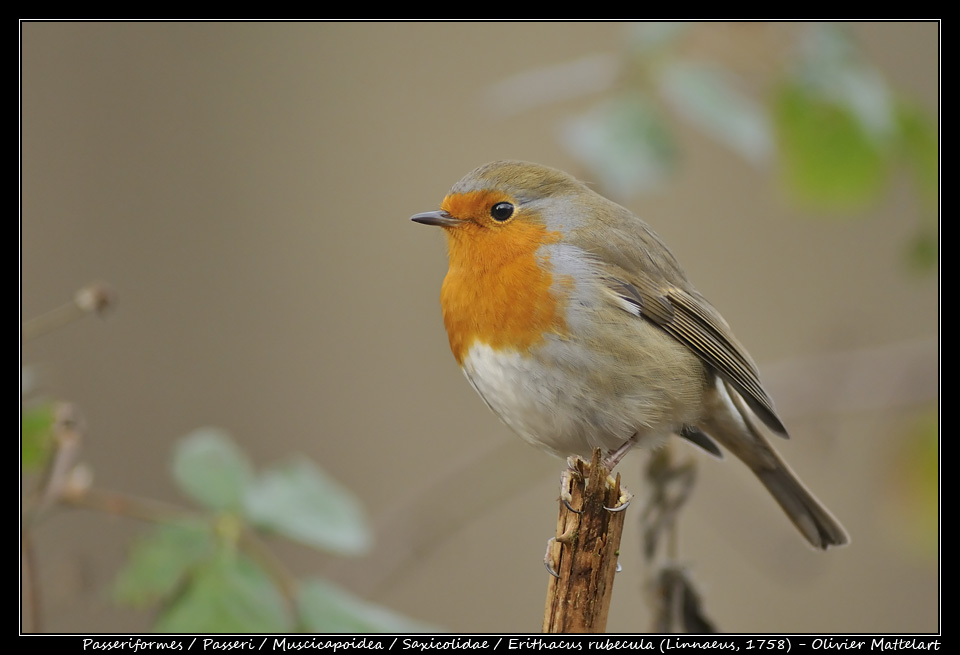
x: 691, y: 320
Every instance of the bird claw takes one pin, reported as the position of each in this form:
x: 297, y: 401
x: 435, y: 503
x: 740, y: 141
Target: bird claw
x: 566, y: 502
x: 624, y: 504
x: 565, y: 496
x: 573, y: 468
x: 547, y: 560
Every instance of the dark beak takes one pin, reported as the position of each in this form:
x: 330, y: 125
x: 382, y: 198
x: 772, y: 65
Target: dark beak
x: 438, y: 218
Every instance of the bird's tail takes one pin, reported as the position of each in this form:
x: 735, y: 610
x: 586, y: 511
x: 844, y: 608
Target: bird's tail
x: 739, y: 433
x: 813, y: 520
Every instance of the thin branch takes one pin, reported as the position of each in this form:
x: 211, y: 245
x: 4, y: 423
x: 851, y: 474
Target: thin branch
x: 585, y: 550
x: 127, y: 506
x: 675, y: 602
x: 93, y: 298
x: 283, y: 579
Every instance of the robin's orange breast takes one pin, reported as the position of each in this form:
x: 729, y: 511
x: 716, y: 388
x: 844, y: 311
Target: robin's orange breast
x: 500, y: 289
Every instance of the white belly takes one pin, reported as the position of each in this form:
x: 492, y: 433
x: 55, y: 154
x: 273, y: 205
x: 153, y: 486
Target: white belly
x: 554, y: 408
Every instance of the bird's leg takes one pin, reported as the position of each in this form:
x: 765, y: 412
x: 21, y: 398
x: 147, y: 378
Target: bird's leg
x: 572, y: 469
x: 614, y: 458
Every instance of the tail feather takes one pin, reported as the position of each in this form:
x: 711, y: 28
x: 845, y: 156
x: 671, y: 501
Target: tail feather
x: 812, y: 519
x: 736, y: 431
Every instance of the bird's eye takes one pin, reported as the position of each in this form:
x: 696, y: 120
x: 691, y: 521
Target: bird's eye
x: 501, y: 211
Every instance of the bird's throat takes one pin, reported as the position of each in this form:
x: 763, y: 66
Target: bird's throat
x: 501, y: 290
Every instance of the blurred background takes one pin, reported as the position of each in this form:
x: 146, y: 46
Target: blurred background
x: 245, y: 189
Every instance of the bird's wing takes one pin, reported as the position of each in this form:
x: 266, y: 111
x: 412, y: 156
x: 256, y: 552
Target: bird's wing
x: 691, y: 320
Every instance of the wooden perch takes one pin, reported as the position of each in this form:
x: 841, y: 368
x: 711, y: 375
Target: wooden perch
x: 584, y: 553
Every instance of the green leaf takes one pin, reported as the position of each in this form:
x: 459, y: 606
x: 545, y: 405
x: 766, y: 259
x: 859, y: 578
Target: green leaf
x: 915, y: 470
x: 301, y: 502
x: 160, y: 560
x: 921, y: 151
x: 325, y: 607
x: 647, y: 40
x: 707, y: 97
x: 211, y: 469
x: 833, y: 69
x: 829, y: 160
x: 36, y: 436
x: 226, y: 593
x: 624, y: 142
x: 922, y: 251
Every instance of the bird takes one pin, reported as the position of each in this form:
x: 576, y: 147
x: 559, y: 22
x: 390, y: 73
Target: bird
x: 577, y: 326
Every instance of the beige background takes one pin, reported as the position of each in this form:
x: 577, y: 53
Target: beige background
x: 246, y: 189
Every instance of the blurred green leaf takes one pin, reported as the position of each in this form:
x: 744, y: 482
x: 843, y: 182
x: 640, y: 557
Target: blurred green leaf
x: 832, y: 68
x: 828, y: 158
x: 707, y: 97
x: 300, y: 501
x: 625, y: 142
x: 160, y: 560
x: 324, y: 607
x: 226, y: 593
x: 836, y: 122
x: 916, y: 470
x: 921, y: 150
x: 922, y: 251
x: 211, y: 469
x: 648, y: 39
x: 36, y: 436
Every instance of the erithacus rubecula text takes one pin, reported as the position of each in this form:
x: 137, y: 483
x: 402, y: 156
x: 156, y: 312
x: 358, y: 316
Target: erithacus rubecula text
x: 576, y: 325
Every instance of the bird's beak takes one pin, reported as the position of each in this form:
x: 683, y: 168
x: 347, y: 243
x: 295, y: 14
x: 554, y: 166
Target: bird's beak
x: 439, y: 218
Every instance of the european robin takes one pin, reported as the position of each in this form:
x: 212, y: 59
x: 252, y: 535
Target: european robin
x: 577, y: 326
